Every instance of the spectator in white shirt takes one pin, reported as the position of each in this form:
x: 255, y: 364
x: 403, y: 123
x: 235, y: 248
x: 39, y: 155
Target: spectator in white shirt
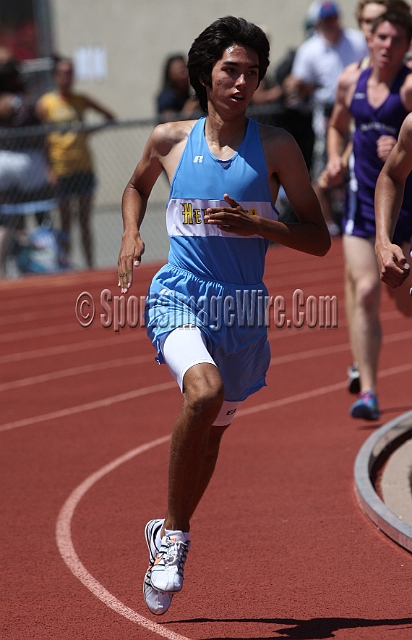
x: 318, y: 63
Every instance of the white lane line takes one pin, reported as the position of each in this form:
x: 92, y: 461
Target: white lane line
x: 107, y: 364
x: 50, y: 296
x: 73, y: 562
x: 135, y: 393
x: 286, y: 279
x: 63, y: 526
x: 296, y: 398
x: 75, y: 371
x: 392, y: 371
x: 26, y: 302
x: 30, y: 316
x: 306, y: 279
x: 89, y: 406
x: 337, y: 348
x: 296, y: 268
x: 168, y: 385
x: 301, y: 355
x: 110, y: 341
x: 38, y: 332
x: 48, y: 293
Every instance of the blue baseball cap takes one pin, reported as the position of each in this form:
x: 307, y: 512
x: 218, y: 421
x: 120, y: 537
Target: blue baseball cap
x: 328, y: 10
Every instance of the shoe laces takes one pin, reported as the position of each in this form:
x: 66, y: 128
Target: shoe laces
x: 368, y: 396
x: 176, y: 553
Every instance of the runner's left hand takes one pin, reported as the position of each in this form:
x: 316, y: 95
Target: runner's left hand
x: 232, y: 218
x: 393, y: 265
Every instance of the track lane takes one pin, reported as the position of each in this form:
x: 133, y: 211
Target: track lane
x: 314, y: 566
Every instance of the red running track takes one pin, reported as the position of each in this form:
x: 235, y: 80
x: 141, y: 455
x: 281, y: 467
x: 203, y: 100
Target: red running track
x: 280, y: 547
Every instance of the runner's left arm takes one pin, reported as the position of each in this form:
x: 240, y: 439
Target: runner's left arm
x: 311, y: 234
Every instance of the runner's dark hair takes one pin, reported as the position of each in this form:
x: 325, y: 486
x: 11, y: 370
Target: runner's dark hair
x: 210, y: 45
x: 400, y: 18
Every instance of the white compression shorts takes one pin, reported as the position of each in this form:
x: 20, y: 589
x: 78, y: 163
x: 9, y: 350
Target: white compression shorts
x: 185, y: 347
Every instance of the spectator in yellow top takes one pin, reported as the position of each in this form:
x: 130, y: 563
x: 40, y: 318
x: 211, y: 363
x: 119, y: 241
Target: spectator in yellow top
x: 69, y: 154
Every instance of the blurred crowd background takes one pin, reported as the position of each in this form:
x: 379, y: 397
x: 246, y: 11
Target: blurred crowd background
x: 82, y: 84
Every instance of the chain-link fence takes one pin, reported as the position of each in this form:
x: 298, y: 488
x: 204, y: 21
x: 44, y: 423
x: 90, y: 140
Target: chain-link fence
x: 32, y: 237
x: 31, y: 199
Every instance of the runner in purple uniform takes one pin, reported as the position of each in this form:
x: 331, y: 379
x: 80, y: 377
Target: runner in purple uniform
x: 378, y: 98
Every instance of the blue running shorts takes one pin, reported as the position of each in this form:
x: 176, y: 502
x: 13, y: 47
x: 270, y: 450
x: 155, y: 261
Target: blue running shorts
x: 231, y: 317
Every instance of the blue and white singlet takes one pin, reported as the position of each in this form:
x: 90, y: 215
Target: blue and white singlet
x: 208, y: 267
x: 200, y: 182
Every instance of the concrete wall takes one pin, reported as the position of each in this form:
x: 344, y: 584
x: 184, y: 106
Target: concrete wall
x: 137, y: 35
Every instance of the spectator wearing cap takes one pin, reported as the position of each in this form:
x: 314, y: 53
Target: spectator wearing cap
x: 318, y: 63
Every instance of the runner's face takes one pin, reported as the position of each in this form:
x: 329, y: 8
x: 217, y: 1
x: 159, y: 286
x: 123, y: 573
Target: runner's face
x: 389, y: 46
x: 370, y: 11
x: 235, y: 78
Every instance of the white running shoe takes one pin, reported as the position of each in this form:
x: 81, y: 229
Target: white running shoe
x: 156, y: 601
x: 167, y: 569
x: 151, y: 530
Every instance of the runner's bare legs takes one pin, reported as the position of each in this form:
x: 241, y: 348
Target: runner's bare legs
x: 365, y: 331
x: 195, y: 444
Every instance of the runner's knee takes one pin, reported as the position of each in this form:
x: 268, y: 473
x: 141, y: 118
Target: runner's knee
x: 203, y: 389
x: 368, y: 293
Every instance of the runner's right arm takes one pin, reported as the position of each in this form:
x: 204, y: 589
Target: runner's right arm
x: 393, y: 266
x: 134, y: 203
x: 338, y: 134
x: 162, y: 152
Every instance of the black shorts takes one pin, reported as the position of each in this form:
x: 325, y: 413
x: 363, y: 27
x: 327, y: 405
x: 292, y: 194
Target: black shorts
x: 76, y: 184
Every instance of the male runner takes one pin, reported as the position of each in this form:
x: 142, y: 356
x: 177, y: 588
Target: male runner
x: 378, y: 98
x: 225, y: 172
x: 394, y: 267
